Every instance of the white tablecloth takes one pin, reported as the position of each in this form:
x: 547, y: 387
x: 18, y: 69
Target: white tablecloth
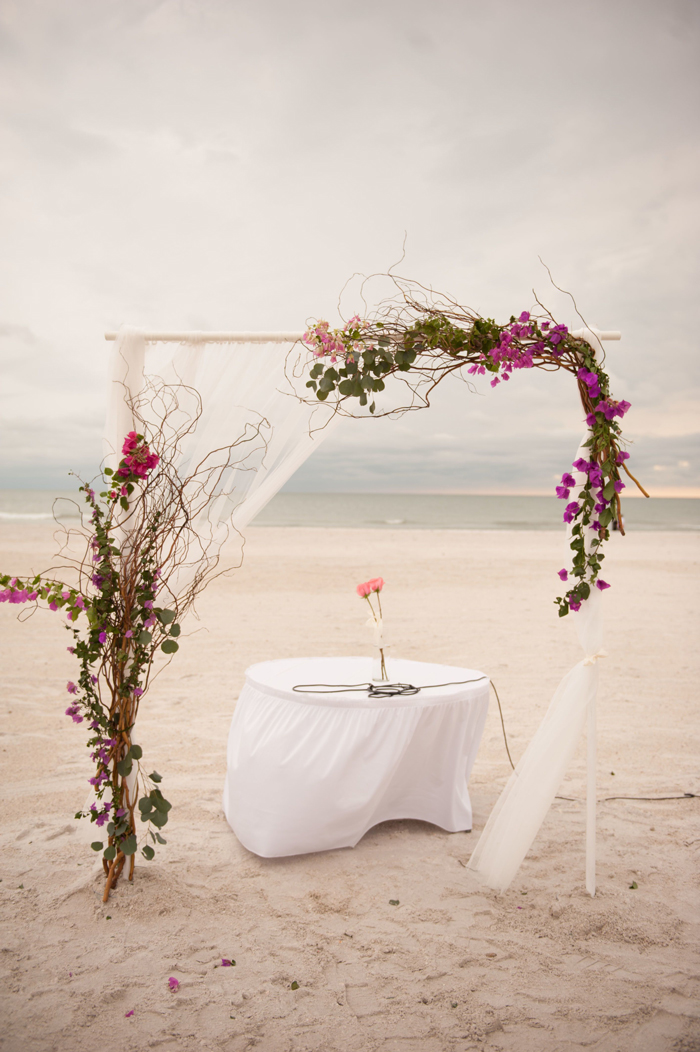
x: 310, y: 772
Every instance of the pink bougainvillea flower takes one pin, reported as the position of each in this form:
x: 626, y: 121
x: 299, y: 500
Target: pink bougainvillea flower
x: 602, y: 585
x: 71, y: 687
x: 574, y: 604
x: 563, y: 492
x: 103, y: 637
x: 564, y: 575
x: 127, y: 1014
x: 173, y: 983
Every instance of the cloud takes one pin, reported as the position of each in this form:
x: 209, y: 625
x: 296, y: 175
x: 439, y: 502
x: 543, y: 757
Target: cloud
x: 225, y: 165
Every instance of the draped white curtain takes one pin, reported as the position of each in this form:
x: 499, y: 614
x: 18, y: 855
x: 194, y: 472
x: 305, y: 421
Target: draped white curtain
x: 244, y: 394
x: 527, y: 797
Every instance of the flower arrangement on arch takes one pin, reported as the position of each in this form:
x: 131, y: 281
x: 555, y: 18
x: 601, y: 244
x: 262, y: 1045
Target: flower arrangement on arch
x: 424, y: 340
x: 124, y: 607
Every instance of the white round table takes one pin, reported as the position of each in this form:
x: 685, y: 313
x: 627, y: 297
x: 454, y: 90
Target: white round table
x: 310, y: 771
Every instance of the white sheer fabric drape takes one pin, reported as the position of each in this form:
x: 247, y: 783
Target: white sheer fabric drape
x: 244, y: 395
x: 527, y: 797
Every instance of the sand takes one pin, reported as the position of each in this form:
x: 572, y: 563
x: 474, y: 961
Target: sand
x: 543, y: 967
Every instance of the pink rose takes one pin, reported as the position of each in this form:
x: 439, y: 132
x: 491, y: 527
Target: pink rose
x: 363, y: 590
x: 376, y: 584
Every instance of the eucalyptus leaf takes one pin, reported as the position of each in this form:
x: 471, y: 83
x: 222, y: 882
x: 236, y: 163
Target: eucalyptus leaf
x: 175, y: 630
x: 147, y: 852
x: 169, y: 646
x: 165, y: 616
x: 129, y: 845
x: 155, y: 777
x: 97, y: 845
x: 109, y: 853
x: 136, y: 752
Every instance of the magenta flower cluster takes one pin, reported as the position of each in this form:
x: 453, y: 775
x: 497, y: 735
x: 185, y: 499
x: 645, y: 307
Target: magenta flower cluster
x: 138, y: 459
x: 509, y: 354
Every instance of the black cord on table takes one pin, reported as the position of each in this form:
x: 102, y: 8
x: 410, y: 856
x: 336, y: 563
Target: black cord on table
x: 392, y: 690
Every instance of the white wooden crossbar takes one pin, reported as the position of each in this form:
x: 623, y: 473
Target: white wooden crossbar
x: 216, y: 337
x: 284, y: 337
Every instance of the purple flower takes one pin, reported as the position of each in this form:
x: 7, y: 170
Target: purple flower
x: 524, y: 316
x: 103, y: 637
x: 595, y: 525
x: 129, y: 634
x: 173, y: 983
x: 148, y: 604
x: 563, y: 493
x: 564, y: 575
x: 574, y: 604
x: 137, y: 692
x: 622, y: 457
x: 71, y: 688
x: 225, y: 963
x: 568, y: 480
x: 602, y: 585
x: 120, y: 812
x: 591, y: 420
x: 127, y: 1014
x: 619, y: 486
x: 581, y: 465
x: 71, y: 650
x: 570, y: 511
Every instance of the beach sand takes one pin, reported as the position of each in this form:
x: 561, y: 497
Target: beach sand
x: 543, y: 967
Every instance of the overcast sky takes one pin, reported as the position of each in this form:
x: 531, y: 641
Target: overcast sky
x: 216, y: 164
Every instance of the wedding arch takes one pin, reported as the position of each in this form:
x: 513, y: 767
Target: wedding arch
x: 204, y: 428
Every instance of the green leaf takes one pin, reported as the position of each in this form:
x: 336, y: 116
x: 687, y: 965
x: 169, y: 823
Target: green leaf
x: 124, y: 503
x: 129, y: 845
x: 108, y: 471
x: 144, y: 638
x: 295, y: 985
x: 159, y: 801
x: 109, y: 853
x: 169, y: 646
x: 609, y: 491
x: 124, y: 766
x: 605, y: 517
x: 175, y: 630
x: 160, y: 839
x: 147, y: 852
x: 97, y: 845
x: 393, y: 902
x: 634, y: 885
x: 155, y: 777
x: 158, y: 818
x: 136, y: 752
x: 165, y: 616
x: 145, y: 805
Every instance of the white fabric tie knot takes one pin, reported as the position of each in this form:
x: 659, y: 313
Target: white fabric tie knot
x: 592, y: 658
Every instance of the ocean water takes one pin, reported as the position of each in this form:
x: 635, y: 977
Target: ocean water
x: 392, y: 511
